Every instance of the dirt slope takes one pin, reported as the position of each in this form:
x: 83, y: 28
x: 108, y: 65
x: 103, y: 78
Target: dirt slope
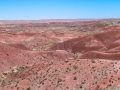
x: 102, y: 43
x: 101, y: 55
x: 91, y: 41
x: 10, y: 56
x: 84, y: 74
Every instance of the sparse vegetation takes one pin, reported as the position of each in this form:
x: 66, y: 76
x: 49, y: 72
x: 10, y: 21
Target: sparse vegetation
x: 92, y: 60
x: 75, y: 67
x: 59, y: 80
x: 28, y: 88
x: 75, y: 78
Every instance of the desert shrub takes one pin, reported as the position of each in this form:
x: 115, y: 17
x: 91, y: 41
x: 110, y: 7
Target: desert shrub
x: 75, y: 78
x: 28, y: 88
x: 93, y: 61
x: 3, y: 83
x: 59, y: 80
x: 75, y: 67
x: 113, y: 88
x: 4, y: 73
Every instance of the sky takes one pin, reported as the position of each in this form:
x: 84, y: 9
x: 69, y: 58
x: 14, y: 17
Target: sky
x: 58, y: 9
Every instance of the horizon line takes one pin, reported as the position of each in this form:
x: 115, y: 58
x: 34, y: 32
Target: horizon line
x: 56, y: 19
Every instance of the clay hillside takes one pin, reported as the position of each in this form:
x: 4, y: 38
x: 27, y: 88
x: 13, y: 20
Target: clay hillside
x: 60, y: 54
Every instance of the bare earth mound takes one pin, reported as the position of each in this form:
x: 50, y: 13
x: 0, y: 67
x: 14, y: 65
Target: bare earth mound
x: 101, y: 55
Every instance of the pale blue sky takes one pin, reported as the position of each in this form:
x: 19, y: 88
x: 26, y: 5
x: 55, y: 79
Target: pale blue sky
x: 58, y: 9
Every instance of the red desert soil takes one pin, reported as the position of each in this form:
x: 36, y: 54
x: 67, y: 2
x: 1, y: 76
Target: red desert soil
x: 60, y: 55
x: 10, y: 56
x: 80, y: 74
x: 101, y: 55
x: 101, y: 42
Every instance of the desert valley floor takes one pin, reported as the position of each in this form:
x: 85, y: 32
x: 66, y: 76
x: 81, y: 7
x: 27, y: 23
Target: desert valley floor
x: 60, y: 55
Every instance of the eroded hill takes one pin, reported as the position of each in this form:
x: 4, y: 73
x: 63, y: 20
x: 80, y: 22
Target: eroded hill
x: 60, y: 55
